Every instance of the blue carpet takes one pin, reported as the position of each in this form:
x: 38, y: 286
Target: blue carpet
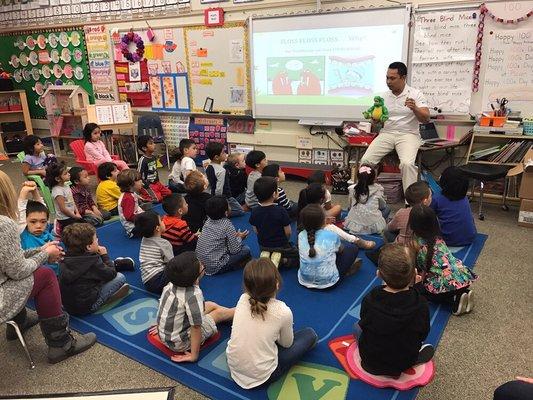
x: 331, y: 313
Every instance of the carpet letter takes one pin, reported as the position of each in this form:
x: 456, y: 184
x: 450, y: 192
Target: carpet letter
x: 307, y: 389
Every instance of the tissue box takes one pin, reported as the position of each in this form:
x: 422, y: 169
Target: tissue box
x: 525, y: 215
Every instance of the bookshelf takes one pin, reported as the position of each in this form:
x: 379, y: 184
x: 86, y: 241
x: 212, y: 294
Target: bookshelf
x: 14, y: 109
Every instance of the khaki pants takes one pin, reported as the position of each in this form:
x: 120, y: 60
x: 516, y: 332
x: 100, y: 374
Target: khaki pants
x: 405, y: 144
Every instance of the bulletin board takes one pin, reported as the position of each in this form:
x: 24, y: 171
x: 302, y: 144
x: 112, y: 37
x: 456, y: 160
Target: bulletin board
x: 218, y: 64
x: 165, y: 54
x: 38, y: 59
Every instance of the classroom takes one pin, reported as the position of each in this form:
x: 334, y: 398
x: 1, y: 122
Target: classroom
x: 266, y: 199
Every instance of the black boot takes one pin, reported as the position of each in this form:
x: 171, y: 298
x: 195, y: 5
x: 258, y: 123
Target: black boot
x: 25, y: 320
x: 61, y: 343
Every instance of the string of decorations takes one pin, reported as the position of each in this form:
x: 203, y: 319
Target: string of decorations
x: 484, y: 11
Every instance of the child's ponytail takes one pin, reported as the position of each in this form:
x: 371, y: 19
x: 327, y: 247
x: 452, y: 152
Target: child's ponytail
x: 365, y: 178
x: 312, y: 218
x: 424, y: 224
x: 261, y: 282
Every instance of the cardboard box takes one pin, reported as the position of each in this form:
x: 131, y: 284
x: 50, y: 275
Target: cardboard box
x: 526, y: 169
x: 525, y: 215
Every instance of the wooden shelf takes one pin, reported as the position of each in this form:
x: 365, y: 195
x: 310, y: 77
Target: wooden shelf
x: 492, y: 163
x: 12, y: 112
x: 501, y: 136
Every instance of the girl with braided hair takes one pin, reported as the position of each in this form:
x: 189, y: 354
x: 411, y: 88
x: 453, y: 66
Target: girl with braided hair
x: 445, y: 278
x: 323, y: 258
x: 263, y: 346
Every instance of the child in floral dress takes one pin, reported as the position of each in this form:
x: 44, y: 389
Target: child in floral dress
x: 444, y: 277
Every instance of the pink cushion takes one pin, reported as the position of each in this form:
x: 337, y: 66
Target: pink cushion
x: 154, y: 340
x: 419, y: 375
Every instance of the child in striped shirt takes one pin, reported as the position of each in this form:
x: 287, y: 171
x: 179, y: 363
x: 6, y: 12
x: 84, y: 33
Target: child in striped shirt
x: 155, y: 252
x: 177, y: 231
x: 274, y: 171
x: 184, y: 320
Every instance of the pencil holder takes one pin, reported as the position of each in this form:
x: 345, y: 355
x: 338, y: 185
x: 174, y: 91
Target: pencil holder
x: 528, y: 127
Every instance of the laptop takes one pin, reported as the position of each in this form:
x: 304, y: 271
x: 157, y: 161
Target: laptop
x: 430, y: 137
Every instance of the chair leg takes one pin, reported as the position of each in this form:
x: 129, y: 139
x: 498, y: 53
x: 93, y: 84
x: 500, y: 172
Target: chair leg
x: 505, y: 194
x: 22, y: 342
x: 481, y: 190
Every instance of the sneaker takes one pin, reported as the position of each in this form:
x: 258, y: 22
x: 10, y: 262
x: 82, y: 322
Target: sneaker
x: 119, y: 294
x: 425, y: 354
x: 124, y: 264
x: 356, y: 266
x: 470, y: 303
x: 275, y: 257
x: 460, y: 304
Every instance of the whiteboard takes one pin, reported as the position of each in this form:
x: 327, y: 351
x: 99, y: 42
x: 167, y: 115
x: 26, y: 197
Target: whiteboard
x: 442, y: 57
x: 507, y: 59
x: 217, y: 61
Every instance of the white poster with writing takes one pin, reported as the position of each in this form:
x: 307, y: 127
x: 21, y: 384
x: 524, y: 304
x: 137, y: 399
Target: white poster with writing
x: 447, y: 85
x: 508, y: 58
x: 100, y: 64
x: 445, y: 36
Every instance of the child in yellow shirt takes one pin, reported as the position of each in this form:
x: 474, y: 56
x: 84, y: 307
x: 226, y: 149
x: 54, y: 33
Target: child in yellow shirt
x: 108, y: 192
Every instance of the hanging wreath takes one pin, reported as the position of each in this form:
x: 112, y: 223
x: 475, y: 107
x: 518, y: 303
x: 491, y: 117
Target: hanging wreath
x: 125, y: 42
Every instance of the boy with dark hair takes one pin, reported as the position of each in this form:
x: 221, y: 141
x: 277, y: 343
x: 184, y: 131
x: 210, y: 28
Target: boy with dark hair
x: 83, y: 198
x: 394, y: 317
x: 153, y: 189
x: 107, y: 191
x: 217, y: 176
x: 220, y: 247
x: 398, y: 228
x: 272, y: 223
x: 274, y: 171
x: 88, y: 278
x: 184, y: 320
x: 155, y: 252
x: 177, y: 231
x: 453, y: 208
x: 257, y: 161
x: 195, y: 185
x: 36, y: 234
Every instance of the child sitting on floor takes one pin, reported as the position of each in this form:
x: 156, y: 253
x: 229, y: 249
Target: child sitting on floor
x: 94, y: 148
x: 270, y: 221
x: 220, y: 247
x: 84, y: 199
x: 36, y: 234
x: 263, y: 345
x: 88, y: 277
x: 57, y: 179
x: 155, y: 252
x: 236, y: 167
x: 107, y: 191
x: 332, y: 210
x: 196, y: 184
x: 446, y: 279
x: 274, y: 171
x: 314, y: 194
x: 177, y: 231
x: 153, y: 189
x: 368, y: 208
x: 217, y: 176
x: 35, y: 161
x: 398, y: 228
x: 453, y: 208
x: 183, y: 165
x: 184, y: 320
x: 394, y: 318
x: 129, y: 181
x: 257, y: 161
x: 323, y: 258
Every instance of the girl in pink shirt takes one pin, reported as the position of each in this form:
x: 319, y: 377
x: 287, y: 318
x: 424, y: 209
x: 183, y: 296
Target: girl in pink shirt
x: 95, y: 150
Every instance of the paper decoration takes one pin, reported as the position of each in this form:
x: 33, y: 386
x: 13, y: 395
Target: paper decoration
x: 213, y: 17
x: 236, y: 51
x: 176, y: 128
x: 170, y: 92
x: 122, y: 113
x: 237, y: 96
x: 104, y: 115
x: 303, y: 142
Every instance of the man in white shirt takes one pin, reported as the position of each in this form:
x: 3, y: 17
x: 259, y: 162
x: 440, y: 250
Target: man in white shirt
x: 407, y: 109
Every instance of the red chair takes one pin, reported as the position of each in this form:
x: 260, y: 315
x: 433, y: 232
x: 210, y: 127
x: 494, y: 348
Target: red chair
x: 78, y: 148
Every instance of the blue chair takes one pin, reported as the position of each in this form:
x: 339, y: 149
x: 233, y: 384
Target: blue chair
x: 151, y: 125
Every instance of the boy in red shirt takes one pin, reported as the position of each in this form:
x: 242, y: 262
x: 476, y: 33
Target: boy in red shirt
x: 177, y: 231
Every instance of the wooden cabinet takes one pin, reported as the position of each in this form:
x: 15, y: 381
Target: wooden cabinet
x: 14, y: 109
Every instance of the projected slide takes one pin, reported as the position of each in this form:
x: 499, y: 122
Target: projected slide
x: 324, y: 66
